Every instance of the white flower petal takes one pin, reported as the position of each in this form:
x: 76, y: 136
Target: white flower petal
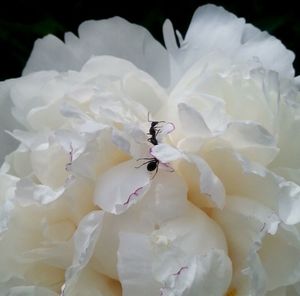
x: 289, y: 202
x: 91, y: 283
x: 192, y: 121
x: 50, y: 165
x: 289, y: 126
x: 108, y: 66
x: 279, y: 292
x: 254, y: 181
x: 209, y: 274
x: 104, y: 259
x: 114, y: 36
x: 7, y: 185
x: 28, y: 193
x: 281, y: 270
x: 46, y: 117
x: 30, y: 140
x: 85, y: 239
x: 166, y: 153
x: 167, y: 128
x: 121, y: 141
x: 165, y: 200
x: 131, y: 140
x: 254, y: 210
x: 255, y: 270
x: 50, y: 53
x: 29, y: 92
x: 58, y: 254
x: 255, y: 253
x: 242, y: 226
x: 7, y: 121
x: 99, y: 155
x: 210, y: 30
x: 30, y: 291
x: 252, y: 140
x: 142, y: 89
x: 288, y: 174
x: 5, y: 210
x: 135, y: 265
x: 121, y: 187
x: 209, y: 183
x: 25, y: 236
x: 187, y: 232
x: 261, y: 44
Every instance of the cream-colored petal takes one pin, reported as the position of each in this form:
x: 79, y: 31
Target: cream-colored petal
x: 165, y: 200
x: 204, y: 275
x: 114, y: 36
x: 121, y: 187
x: 85, y: 239
x: 135, y: 265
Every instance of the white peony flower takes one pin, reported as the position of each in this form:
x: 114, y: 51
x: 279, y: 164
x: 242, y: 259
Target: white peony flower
x: 96, y: 199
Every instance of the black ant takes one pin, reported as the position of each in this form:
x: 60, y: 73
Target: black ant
x: 153, y: 131
x: 152, y: 164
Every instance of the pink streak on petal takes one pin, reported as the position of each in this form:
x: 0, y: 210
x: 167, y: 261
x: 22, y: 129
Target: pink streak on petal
x: 135, y: 193
x: 173, y: 127
x: 180, y: 270
x: 168, y: 166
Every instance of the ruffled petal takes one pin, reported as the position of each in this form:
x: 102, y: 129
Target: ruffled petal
x: 187, y: 232
x: 121, y: 186
x: 85, y: 239
x: 91, y: 283
x: 107, y: 65
x: 143, y: 89
x: 160, y: 263
x: 209, y: 184
x: 114, y: 36
x: 30, y: 92
x: 7, y: 185
x: 211, y: 28
x: 254, y: 181
x: 192, y: 121
x: 288, y: 127
x: 7, y: 121
x: 251, y: 140
x: 242, y: 227
x: 281, y: 270
x: 165, y: 200
x: 28, y: 193
x: 204, y: 275
x: 166, y: 153
x: 289, y: 202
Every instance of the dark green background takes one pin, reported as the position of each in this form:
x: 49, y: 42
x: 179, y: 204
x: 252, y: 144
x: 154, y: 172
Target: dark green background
x: 22, y: 22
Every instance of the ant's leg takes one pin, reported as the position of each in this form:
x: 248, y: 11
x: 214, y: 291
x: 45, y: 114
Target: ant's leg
x: 156, y: 170
x: 149, y: 117
x: 149, y: 159
x: 144, y: 158
x: 143, y: 164
x: 154, y: 120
